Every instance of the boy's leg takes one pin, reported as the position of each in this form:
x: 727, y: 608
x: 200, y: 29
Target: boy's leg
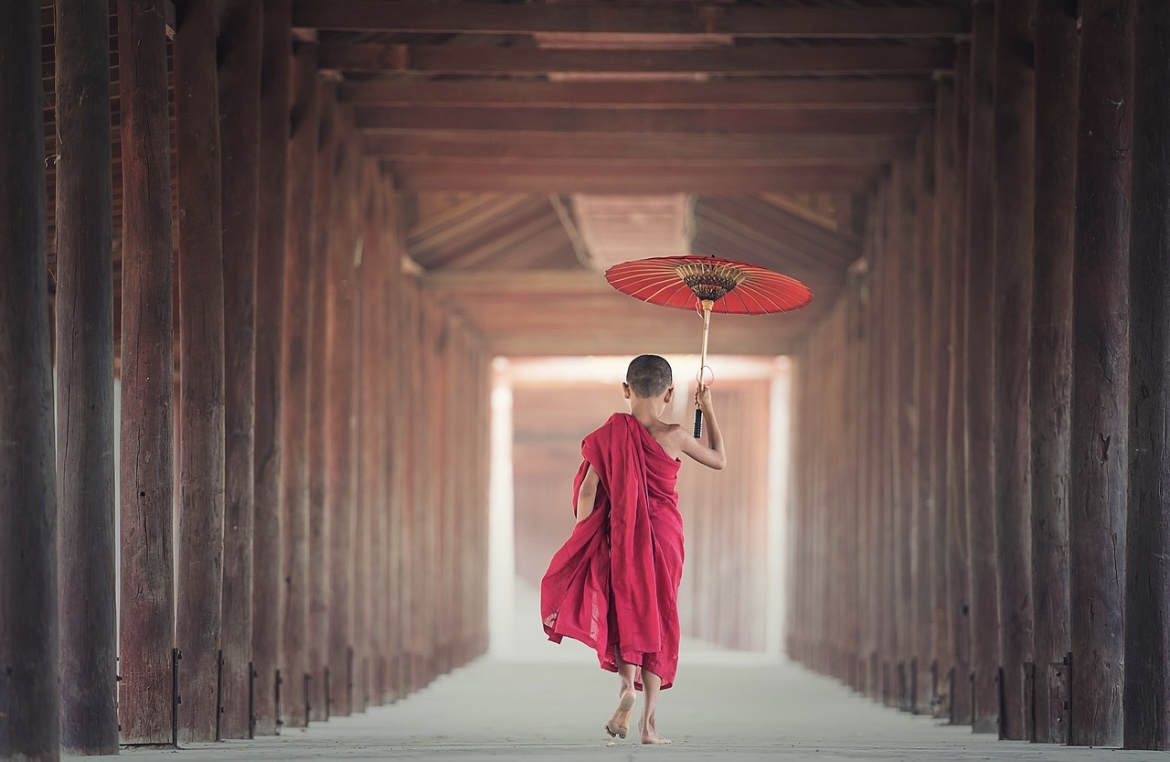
x: 651, y: 683
x: 619, y: 722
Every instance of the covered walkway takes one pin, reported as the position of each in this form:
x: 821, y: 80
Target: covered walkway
x: 554, y: 711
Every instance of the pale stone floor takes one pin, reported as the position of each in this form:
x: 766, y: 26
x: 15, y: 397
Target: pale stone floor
x: 720, y: 709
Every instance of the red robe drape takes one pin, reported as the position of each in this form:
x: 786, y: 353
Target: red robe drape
x: 614, y: 583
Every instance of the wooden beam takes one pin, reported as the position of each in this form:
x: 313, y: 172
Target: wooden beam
x: 739, y: 61
x: 523, y: 120
x: 1147, y: 590
x: 267, y: 579
x: 147, y: 372
x: 481, y: 17
x: 85, y: 380
x: 732, y: 94
x: 1057, y: 55
x: 748, y: 150
x: 239, y: 53
x: 1098, y: 489
x: 575, y: 177
x: 29, y: 650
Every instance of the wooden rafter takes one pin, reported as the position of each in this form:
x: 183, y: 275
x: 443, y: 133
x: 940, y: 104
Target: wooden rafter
x: 498, y: 18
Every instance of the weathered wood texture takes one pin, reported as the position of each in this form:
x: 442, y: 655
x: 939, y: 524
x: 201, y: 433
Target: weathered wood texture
x: 147, y: 375
x: 272, y: 208
x: 321, y: 672
x: 1147, y: 616
x: 240, y: 49
x: 29, y: 692
x: 1100, y: 381
x: 958, y: 557
x: 1013, y: 254
x: 1057, y: 51
x: 85, y: 380
x: 937, y: 431
x: 201, y: 347
x: 980, y: 378
x: 298, y: 312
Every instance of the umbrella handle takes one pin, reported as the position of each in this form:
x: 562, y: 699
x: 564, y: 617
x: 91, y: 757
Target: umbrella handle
x: 706, y: 306
x: 698, y: 423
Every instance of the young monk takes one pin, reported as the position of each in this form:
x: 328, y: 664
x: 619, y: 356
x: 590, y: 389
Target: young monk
x: 614, y: 584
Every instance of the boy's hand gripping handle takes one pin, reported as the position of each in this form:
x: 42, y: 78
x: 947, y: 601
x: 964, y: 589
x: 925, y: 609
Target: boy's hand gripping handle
x: 698, y: 422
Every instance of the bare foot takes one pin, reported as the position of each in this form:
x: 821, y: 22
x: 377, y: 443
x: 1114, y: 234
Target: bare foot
x: 619, y: 723
x: 650, y: 735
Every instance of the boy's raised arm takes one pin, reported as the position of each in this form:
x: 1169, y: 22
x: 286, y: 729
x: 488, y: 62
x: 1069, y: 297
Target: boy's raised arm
x: 711, y: 454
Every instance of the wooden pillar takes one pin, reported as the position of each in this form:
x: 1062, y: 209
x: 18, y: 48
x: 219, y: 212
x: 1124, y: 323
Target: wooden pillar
x: 958, y: 562
x: 1100, y: 382
x: 299, y: 309
x: 1147, y: 602
x: 147, y: 373
x: 926, y: 261
x: 1014, y: 194
x: 268, y: 530
x: 937, y: 434
x: 240, y: 52
x: 981, y: 377
x: 321, y: 672
x: 201, y: 346
x: 1057, y: 51
x: 391, y: 346
x: 30, y: 698
x: 85, y: 379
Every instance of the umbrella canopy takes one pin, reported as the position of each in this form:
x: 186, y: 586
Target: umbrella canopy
x: 706, y: 285
x: 730, y: 286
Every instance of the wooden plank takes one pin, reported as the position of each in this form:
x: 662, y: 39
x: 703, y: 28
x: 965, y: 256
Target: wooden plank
x: 85, y: 380
x: 739, y: 61
x: 525, y: 120
x: 1147, y: 619
x: 147, y: 374
x: 239, y: 55
x: 296, y: 361
x: 958, y: 562
x: 1100, y: 381
x: 30, y: 699
x: 980, y: 380
x: 1013, y: 254
x: 1057, y: 53
x: 268, y: 538
x: 696, y: 19
x: 789, y: 150
x: 201, y: 359
x: 574, y: 177
x: 731, y: 94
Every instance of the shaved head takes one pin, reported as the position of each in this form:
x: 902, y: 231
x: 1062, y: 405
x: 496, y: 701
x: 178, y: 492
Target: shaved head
x: 649, y: 376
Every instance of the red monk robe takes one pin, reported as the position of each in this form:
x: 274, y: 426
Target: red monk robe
x: 614, y: 584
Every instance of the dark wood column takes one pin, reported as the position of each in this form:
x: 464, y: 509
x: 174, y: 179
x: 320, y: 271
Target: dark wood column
x: 147, y: 371
x: 1100, y: 382
x: 937, y: 433
x: 980, y: 376
x: 201, y: 346
x: 958, y: 562
x: 1147, y: 600
x: 240, y: 50
x: 1014, y: 193
x: 1057, y: 51
x: 926, y: 259
x: 85, y: 379
x: 321, y: 672
x: 299, y: 309
x: 268, y: 532
x: 30, y: 700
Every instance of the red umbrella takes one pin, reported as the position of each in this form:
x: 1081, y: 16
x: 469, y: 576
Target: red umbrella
x: 708, y: 284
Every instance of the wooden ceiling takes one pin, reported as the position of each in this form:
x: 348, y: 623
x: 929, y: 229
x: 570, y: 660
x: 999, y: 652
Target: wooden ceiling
x: 775, y: 119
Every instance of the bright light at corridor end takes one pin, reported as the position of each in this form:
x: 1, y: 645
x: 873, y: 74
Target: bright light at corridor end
x: 510, y: 620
